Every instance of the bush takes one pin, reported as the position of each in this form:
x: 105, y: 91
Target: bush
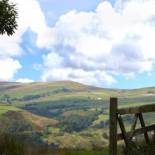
x: 77, y: 123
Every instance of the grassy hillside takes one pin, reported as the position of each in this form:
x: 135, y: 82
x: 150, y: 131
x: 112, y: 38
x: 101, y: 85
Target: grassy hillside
x: 64, y: 114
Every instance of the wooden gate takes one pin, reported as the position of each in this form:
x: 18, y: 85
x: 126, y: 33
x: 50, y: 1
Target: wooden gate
x: 116, y: 119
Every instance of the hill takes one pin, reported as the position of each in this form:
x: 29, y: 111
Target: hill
x: 64, y: 114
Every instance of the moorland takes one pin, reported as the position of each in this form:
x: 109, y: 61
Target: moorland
x: 64, y: 115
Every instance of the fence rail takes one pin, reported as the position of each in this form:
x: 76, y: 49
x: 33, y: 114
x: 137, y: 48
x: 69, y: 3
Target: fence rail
x: 116, y: 119
x: 134, y: 110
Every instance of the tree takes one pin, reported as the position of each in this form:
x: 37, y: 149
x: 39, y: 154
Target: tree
x: 8, y: 17
x: 6, y: 99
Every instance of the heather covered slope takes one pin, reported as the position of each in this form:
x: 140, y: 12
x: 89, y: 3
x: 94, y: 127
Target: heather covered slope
x: 64, y: 114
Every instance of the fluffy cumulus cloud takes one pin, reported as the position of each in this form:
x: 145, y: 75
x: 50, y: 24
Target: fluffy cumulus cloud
x: 30, y: 16
x: 8, y: 68
x: 95, y: 47
x: 24, y: 80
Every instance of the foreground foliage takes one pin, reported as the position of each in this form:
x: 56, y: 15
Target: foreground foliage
x: 9, y: 145
x: 8, y: 16
x: 140, y: 149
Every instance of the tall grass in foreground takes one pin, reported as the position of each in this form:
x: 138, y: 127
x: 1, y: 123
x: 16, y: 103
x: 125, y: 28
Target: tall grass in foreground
x: 140, y: 149
x: 10, y: 146
x: 104, y: 151
x: 84, y: 152
x: 70, y: 152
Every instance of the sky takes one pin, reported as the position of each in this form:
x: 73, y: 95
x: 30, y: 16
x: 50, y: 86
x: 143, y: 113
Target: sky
x: 96, y: 42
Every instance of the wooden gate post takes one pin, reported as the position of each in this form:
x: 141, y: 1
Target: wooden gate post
x: 113, y: 127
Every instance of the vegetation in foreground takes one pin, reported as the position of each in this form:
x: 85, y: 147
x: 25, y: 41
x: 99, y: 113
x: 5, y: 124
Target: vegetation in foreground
x: 11, y: 145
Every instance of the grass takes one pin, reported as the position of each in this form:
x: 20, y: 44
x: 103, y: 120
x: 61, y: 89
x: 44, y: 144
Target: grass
x: 6, y: 108
x: 68, y: 152
x: 102, y: 117
x: 10, y: 146
x: 53, y: 130
x: 89, y: 152
x: 140, y: 149
x: 104, y: 151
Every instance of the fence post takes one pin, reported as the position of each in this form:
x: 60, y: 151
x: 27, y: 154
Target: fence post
x: 113, y: 127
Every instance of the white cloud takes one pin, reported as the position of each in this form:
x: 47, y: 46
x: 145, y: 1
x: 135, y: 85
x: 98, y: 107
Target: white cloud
x: 30, y: 16
x: 97, y: 46
x: 25, y: 80
x: 79, y: 75
x: 8, y: 67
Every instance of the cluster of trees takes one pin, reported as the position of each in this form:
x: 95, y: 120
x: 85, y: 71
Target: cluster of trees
x: 16, y: 125
x: 30, y: 97
x: 20, y: 128
x: 76, y: 123
x: 6, y: 99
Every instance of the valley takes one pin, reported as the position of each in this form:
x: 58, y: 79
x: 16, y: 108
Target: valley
x: 64, y: 114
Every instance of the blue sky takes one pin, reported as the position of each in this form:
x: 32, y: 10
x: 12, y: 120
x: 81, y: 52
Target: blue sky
x: 97, y: 42
x: 53, y: 9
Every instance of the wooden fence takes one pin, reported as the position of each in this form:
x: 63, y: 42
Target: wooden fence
x: 116, y: 120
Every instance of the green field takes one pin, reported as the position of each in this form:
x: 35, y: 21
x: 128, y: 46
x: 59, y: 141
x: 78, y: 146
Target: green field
x: 65, y: 114
x: 73, y: 152
x: 6, y: 108
x: 91, y: 152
